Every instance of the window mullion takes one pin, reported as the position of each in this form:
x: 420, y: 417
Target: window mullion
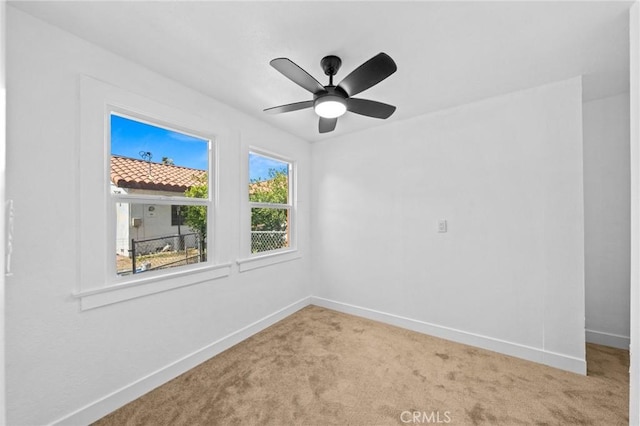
x: 159, y: 199
x: 257, y: 205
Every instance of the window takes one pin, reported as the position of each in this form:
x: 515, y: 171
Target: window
x: 151, y: 167
x: 270, y: 202
x: 177, y: 216
x: 142, y: 162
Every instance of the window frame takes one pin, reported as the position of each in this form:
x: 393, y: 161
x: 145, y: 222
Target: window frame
x: 98, y: 282
x: 256, y: 260
x: 123, y: 197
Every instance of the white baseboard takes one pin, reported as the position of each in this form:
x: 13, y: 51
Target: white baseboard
x: 564, y: 362
x: 608, y: 339
x: 100, y: 408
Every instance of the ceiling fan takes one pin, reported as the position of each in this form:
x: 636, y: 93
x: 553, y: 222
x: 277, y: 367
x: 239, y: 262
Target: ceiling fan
x: 330, y: 102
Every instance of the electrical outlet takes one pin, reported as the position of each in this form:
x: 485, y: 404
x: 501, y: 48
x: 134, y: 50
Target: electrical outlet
x: 442, y: 225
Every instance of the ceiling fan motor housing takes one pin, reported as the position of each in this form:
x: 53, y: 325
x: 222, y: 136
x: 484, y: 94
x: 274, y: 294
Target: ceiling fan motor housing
x: 333, y: 91
x: 331, y: 64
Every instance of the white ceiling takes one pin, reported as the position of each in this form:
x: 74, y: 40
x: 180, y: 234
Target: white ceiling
x: 448, y: 53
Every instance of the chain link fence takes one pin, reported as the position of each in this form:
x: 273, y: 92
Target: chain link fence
x: 268, y: 240
x: 179, y: 250
x: 165, y: 252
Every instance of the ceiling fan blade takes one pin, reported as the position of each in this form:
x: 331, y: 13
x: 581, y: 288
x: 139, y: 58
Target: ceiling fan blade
x: 296, y: 74
x: 327, y: 125
x: 289, y: 107
x: 370, y: 108
x: 368, y: 74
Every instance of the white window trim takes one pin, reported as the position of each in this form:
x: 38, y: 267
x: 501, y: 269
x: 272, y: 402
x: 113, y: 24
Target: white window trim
x: 267, y: 259
x: 271, y: 257
x: 151, y: 284
x: 98, y: 283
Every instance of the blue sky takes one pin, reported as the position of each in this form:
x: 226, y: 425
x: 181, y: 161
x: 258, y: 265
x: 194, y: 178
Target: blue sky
x: 129, y: 138
x: 259, y: 166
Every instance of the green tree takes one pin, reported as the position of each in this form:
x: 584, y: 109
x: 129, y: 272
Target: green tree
x: 195, y: 217
x: 273, y: 190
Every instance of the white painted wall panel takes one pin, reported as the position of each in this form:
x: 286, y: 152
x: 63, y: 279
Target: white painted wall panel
x: 634, y: 117
x: 5, y: 262
x: 607, y: 219
x: 506, y: 173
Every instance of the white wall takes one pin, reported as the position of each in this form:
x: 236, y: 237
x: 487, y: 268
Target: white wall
x: 607, y: 220
x: 60, y: 359
x: 506, y: 173
x: 634, y: 116
x: 3, y: 128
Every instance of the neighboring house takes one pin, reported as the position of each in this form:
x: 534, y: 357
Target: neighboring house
x: 148, y: 221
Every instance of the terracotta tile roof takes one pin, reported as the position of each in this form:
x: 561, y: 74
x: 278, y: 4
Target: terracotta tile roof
x: 260, y: 186
x: 133, y: 173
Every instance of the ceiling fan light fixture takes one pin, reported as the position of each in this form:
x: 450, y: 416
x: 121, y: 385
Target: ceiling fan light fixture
x: 330, y: 102
x: 330, y: 106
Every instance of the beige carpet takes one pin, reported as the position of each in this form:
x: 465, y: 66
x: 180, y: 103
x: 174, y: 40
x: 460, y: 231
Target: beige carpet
x: 321, y: 367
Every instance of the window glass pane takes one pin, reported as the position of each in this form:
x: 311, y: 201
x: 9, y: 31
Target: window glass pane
x: 269, y: 229
x: 268, y: 180
x: 147, y: 159
x: 148, y: 238
x: 177, y: 216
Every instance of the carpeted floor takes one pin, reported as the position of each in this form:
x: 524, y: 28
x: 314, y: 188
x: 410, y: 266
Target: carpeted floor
x: 321, y: 367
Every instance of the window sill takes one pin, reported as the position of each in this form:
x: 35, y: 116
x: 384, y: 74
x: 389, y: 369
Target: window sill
x: 262, y: 260
x: 90, y: 299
